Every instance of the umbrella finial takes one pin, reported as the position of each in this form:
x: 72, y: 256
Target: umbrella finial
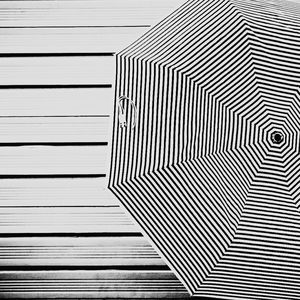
x: 277, y: 137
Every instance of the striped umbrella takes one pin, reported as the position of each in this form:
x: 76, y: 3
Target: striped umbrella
x: 206, y: 145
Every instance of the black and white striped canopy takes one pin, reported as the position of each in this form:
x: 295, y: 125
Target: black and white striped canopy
x: 211, y: 169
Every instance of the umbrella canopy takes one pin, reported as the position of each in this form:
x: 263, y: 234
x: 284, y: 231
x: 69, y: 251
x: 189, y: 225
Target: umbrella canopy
x: 209, y: 162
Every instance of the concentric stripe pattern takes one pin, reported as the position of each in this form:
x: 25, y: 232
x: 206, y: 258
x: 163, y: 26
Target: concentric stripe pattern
x: 211, y: 169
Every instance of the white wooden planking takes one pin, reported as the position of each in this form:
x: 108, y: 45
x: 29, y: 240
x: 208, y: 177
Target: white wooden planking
x: 54, y: 129
x: 68, y: 40
x: 53, y: 160
x: 56, y: 192
x: 77, y: 251
x: 77, y: 207
x: 84, y: 12
x: 90, y: 284
x: 57, y: 70
x: 56, y: 102
x: 65, y: 220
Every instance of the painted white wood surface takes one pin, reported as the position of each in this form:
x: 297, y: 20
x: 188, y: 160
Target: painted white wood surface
x: 65, y: 220
x: 78, y: 251
x: 53, y: 129
x: 61, y: 223
x: 32, y: 160
x: 68, y: 40
x: 84, y: 12
x: 56, y: 192
x: 57, y: 70
x: 56, y: 102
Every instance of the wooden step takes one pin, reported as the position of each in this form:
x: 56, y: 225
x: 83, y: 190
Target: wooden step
x: 90, y: 284
x: 51, y: 70
x: 56, y: 102
x: 49, y: 160
x: 77, y: 251
x: 56, y: 192
x: 84, y: 12
x: 54, y: 130
x: 68, y: 40
x: 32, y: 220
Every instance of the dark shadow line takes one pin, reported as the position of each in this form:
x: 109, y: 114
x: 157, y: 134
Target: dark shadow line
x: 34, y: 176
x: 70, y: 234
x: 78, y: 26
x: 55, y: 86
x: 55, y: 116
x: 61, y: 54
x: 87, y: 268
x: 56, y: 206
x: 56, y: 144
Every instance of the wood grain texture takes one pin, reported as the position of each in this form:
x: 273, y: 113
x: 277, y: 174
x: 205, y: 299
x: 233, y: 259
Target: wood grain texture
x: 90, y: 284
x: 84, y: 12
x: 68, y: 40
x: 55, y: 192
x: 53, y: 160
x: 77, y: 251
x: 56, y: 70
x: 65, y: 220
x: 56, y: 102
x: 53, y: 129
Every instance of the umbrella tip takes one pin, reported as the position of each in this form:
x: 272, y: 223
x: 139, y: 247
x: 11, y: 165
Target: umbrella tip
x: 277, y: 137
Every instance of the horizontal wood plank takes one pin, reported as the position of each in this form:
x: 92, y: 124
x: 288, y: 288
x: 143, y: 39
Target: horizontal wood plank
x: 90, y: 284
x: 57, y: 70
x: 33, y: 160
x: 54, y: 129
x: 65, y: 220
x: 77, y: 251
x: 84, y: 12
x: 68, y: 40
x: 56, y: 192
x: 56, y: 102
